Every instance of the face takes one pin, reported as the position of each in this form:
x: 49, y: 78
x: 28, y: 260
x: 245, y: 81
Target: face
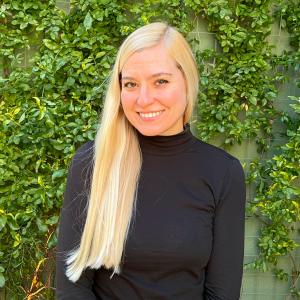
x: 153, y: 92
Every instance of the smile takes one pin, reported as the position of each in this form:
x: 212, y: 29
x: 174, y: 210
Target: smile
x: 151, y: 114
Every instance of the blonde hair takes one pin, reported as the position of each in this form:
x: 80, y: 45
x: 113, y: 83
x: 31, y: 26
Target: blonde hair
x: 117, y: 157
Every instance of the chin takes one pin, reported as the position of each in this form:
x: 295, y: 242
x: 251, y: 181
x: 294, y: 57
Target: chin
x: 149, y: 131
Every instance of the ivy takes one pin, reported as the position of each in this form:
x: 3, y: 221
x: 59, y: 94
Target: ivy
x: 277, y: 204
x: 277, y: 200
x: 237, y: 94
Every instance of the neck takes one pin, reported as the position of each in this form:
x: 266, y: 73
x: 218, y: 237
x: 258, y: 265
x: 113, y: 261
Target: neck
x: 167, y: 144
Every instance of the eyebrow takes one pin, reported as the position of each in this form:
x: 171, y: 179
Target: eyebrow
x: 152, y: 76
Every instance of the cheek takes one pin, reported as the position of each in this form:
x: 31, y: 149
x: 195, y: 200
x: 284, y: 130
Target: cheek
x: 127, y: 100
x: 176, y: 97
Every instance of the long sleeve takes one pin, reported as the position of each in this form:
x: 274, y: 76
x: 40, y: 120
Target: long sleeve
x: 225, y: 268
x: 72, y: 220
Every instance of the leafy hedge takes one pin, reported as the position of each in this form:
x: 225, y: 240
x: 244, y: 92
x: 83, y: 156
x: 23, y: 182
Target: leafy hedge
x: 236, y: 99
x: 50, y: 108
x: 277, y: 180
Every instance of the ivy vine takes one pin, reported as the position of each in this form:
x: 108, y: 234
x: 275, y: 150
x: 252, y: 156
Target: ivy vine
x: 237, y: 94
x: 277, y: 200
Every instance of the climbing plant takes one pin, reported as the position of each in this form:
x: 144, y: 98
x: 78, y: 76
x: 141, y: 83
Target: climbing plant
x: 277, y: 200
x: 277, y: 204
x: 237, y: 91
x: 51, y: 107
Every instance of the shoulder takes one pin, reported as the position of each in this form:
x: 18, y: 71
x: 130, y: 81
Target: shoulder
x: 79, y: 177
x: 215, y: 156
x: 84, y: 153
x: 226, y: 171
x: 83, y: 156
x: 80, y: 168
x: 220, y: 170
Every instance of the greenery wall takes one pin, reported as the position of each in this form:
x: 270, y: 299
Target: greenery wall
x: 50, y: 102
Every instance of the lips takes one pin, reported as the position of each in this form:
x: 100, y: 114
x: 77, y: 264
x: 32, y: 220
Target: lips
x: 152, y: 114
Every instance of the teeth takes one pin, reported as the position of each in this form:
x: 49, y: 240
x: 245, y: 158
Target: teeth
x: 151, y: 115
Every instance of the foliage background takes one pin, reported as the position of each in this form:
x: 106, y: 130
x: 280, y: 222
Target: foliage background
x: 54, y: 66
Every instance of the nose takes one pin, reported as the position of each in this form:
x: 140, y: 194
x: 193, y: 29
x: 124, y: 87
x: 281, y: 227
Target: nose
x: 145, y: 96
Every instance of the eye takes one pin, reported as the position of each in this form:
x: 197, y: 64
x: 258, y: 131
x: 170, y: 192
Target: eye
x: 161, y: 82
x: 129, y: 85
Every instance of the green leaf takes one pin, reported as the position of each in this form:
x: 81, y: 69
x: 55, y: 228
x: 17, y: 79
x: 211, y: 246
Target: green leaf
x: 53, y: 220
x: 17, y: 241
x: 58, y: 174
x: 23, y: 25
x: 2, y: 280
x: 100, y: 54
x: 219, y: 116
x: 253, y: 100
x: 50, y: 44
x: 70, y: 81
x: 41, y: 225
x: 13, y: 224
x: 22, y: 118
x: 40, y: 180
x: 88, y: 20
x: 52, y: 241
x: 106, y: 65
x: 3, y: 220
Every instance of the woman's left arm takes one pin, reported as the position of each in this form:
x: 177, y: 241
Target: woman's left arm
x: 225, y: 267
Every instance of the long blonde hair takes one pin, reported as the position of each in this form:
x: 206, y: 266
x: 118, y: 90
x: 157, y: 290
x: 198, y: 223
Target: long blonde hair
x: 117, y: 157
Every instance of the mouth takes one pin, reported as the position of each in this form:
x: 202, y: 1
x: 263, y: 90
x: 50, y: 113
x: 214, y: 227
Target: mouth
x: 150, y: 115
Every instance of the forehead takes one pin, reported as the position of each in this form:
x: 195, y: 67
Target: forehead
x: 153, y: 59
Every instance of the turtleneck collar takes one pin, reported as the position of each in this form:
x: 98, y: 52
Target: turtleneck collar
x: 167, y: 144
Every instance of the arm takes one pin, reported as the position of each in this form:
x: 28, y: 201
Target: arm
x: 71, y: 224
x: 225, y: 267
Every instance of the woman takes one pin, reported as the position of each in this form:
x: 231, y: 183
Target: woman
x: 151, y: 212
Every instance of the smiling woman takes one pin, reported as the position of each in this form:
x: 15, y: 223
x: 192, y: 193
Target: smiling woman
x: 153, y: 92
x: 150, y: 211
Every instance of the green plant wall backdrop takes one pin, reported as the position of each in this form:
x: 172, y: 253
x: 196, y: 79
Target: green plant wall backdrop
x: 54, y: 67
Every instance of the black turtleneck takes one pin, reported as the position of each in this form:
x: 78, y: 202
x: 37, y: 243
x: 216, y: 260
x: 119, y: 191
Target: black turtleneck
x: 187, y: 237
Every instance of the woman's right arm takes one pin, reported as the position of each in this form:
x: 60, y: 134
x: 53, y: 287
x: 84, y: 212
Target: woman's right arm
x: 72, y: 219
